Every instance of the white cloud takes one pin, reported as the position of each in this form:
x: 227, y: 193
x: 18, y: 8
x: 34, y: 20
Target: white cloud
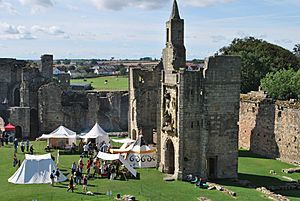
x: 37, y: 5
x: 8, y: 7
x: 204, y: 3
x: 52, y: 30
x: 12, y: 32
x: 120, y: 4
x: 151, y: 4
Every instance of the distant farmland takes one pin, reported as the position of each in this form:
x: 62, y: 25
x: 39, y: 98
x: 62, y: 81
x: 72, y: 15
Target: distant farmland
x: 106, y: 83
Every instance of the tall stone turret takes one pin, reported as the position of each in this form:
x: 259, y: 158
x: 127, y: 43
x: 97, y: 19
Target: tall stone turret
x: 174, y: 54
x: 47, y: 66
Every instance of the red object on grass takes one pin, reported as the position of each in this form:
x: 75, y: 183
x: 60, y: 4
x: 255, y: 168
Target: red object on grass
x: 9, y: 127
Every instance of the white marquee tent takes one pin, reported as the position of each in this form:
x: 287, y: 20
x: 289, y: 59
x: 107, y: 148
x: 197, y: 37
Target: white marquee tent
x: 60, y: 137
x: 141, y: 155
x: 111, y: 157
x: 35, y: 169
x: 96, y: 133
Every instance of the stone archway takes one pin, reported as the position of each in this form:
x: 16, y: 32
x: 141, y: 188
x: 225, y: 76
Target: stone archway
x: 133, y: 134
x: 18, y: 133
x: 169, y: 157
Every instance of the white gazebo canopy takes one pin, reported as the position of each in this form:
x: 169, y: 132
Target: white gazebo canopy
x: 96, y: 133
x: 60, y: 136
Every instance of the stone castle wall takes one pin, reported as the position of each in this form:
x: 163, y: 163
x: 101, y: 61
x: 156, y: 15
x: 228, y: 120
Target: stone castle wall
x: 221, y: 109
x: 79, y: 111
x: 270, y: 129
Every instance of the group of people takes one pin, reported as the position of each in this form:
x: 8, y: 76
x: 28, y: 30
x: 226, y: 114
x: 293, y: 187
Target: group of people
x: 29, y: 149
x: 93, y: 148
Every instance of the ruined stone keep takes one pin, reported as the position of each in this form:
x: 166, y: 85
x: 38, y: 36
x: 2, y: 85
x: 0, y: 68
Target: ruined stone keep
x: 36, y: 102
x: 193, y: 114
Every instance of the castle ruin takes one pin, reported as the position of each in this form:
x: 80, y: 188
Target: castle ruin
x: 36, y: 102
x: 193, y: 113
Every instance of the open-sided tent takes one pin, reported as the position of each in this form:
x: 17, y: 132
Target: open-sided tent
x: 60, y: 137
x: 96, y: 133
x: 35, y: 169
x: 141, y: 155
x: 112, y: 157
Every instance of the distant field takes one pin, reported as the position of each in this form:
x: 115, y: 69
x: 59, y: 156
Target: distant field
x: 113, y: 82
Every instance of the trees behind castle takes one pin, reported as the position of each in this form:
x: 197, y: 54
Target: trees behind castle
x: 258, y: 59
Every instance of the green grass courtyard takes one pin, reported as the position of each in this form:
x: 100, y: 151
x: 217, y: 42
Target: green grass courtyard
x: 149, y: 187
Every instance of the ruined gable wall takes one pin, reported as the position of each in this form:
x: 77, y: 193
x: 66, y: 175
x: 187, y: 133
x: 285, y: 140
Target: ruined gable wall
x: 144, y: 99
x: 221, y: 103
x: 271, y: 130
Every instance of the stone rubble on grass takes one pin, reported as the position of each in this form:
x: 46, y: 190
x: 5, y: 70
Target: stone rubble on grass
x: 221, y: 188
x: 271, y: 195
x: 291, y: 170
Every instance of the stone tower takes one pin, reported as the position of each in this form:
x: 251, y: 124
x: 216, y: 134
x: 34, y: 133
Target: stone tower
x: 196, y: 112
x: 47, y: 66
x: 199, y: 110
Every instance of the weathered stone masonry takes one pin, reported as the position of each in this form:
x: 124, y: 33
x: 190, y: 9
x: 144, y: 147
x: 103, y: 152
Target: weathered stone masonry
x: 270, y: 129
x: 196, y: 111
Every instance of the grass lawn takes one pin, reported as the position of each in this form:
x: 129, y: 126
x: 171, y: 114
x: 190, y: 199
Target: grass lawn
x: 150, y: 187
x: 113, y: 82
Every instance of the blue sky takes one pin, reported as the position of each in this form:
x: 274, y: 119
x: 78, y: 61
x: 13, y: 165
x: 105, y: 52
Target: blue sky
x: 136, y: 28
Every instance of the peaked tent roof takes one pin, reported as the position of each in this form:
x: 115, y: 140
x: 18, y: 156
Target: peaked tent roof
x: 9, y: 127
x: 60, y: 132
x: 96, y: 132
x: 35, y: 169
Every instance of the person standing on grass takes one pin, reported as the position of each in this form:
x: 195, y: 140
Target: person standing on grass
x: 84, y: 183
x: 57, y: 174
x: 22, y: 146
x: 16, y: 143
x: 31, y: 149
x: 71, y: 184
x: 73, y: 168
x: 15, y: 160
x: 52, y: 176
x: 27, y: 145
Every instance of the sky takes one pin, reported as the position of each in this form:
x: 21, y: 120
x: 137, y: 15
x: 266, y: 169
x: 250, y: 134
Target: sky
x: 136, y: 28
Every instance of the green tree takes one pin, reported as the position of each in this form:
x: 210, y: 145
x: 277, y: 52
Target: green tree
x: 279, y: 85
x: 259, y: 58
x: 66, y: 62
x: 296, y: 50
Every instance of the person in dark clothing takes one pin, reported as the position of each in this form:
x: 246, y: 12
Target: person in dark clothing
x: 57, y: 174
x: 31, y: 149
x: 71, y: 184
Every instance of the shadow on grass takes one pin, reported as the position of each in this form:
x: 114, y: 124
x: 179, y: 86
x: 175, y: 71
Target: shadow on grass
x: 290, y: 193
x: 249, y: 154
x: 256, y: 181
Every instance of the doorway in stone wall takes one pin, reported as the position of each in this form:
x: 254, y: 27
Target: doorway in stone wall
x: 34, y: 123
x: 169, y: 158
x: 18, y: 132
x: 212, y: 167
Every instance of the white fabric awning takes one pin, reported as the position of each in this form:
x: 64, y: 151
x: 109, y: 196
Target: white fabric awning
x: 111, y: 157
x: 123, y: 141
x: 59, y: 133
